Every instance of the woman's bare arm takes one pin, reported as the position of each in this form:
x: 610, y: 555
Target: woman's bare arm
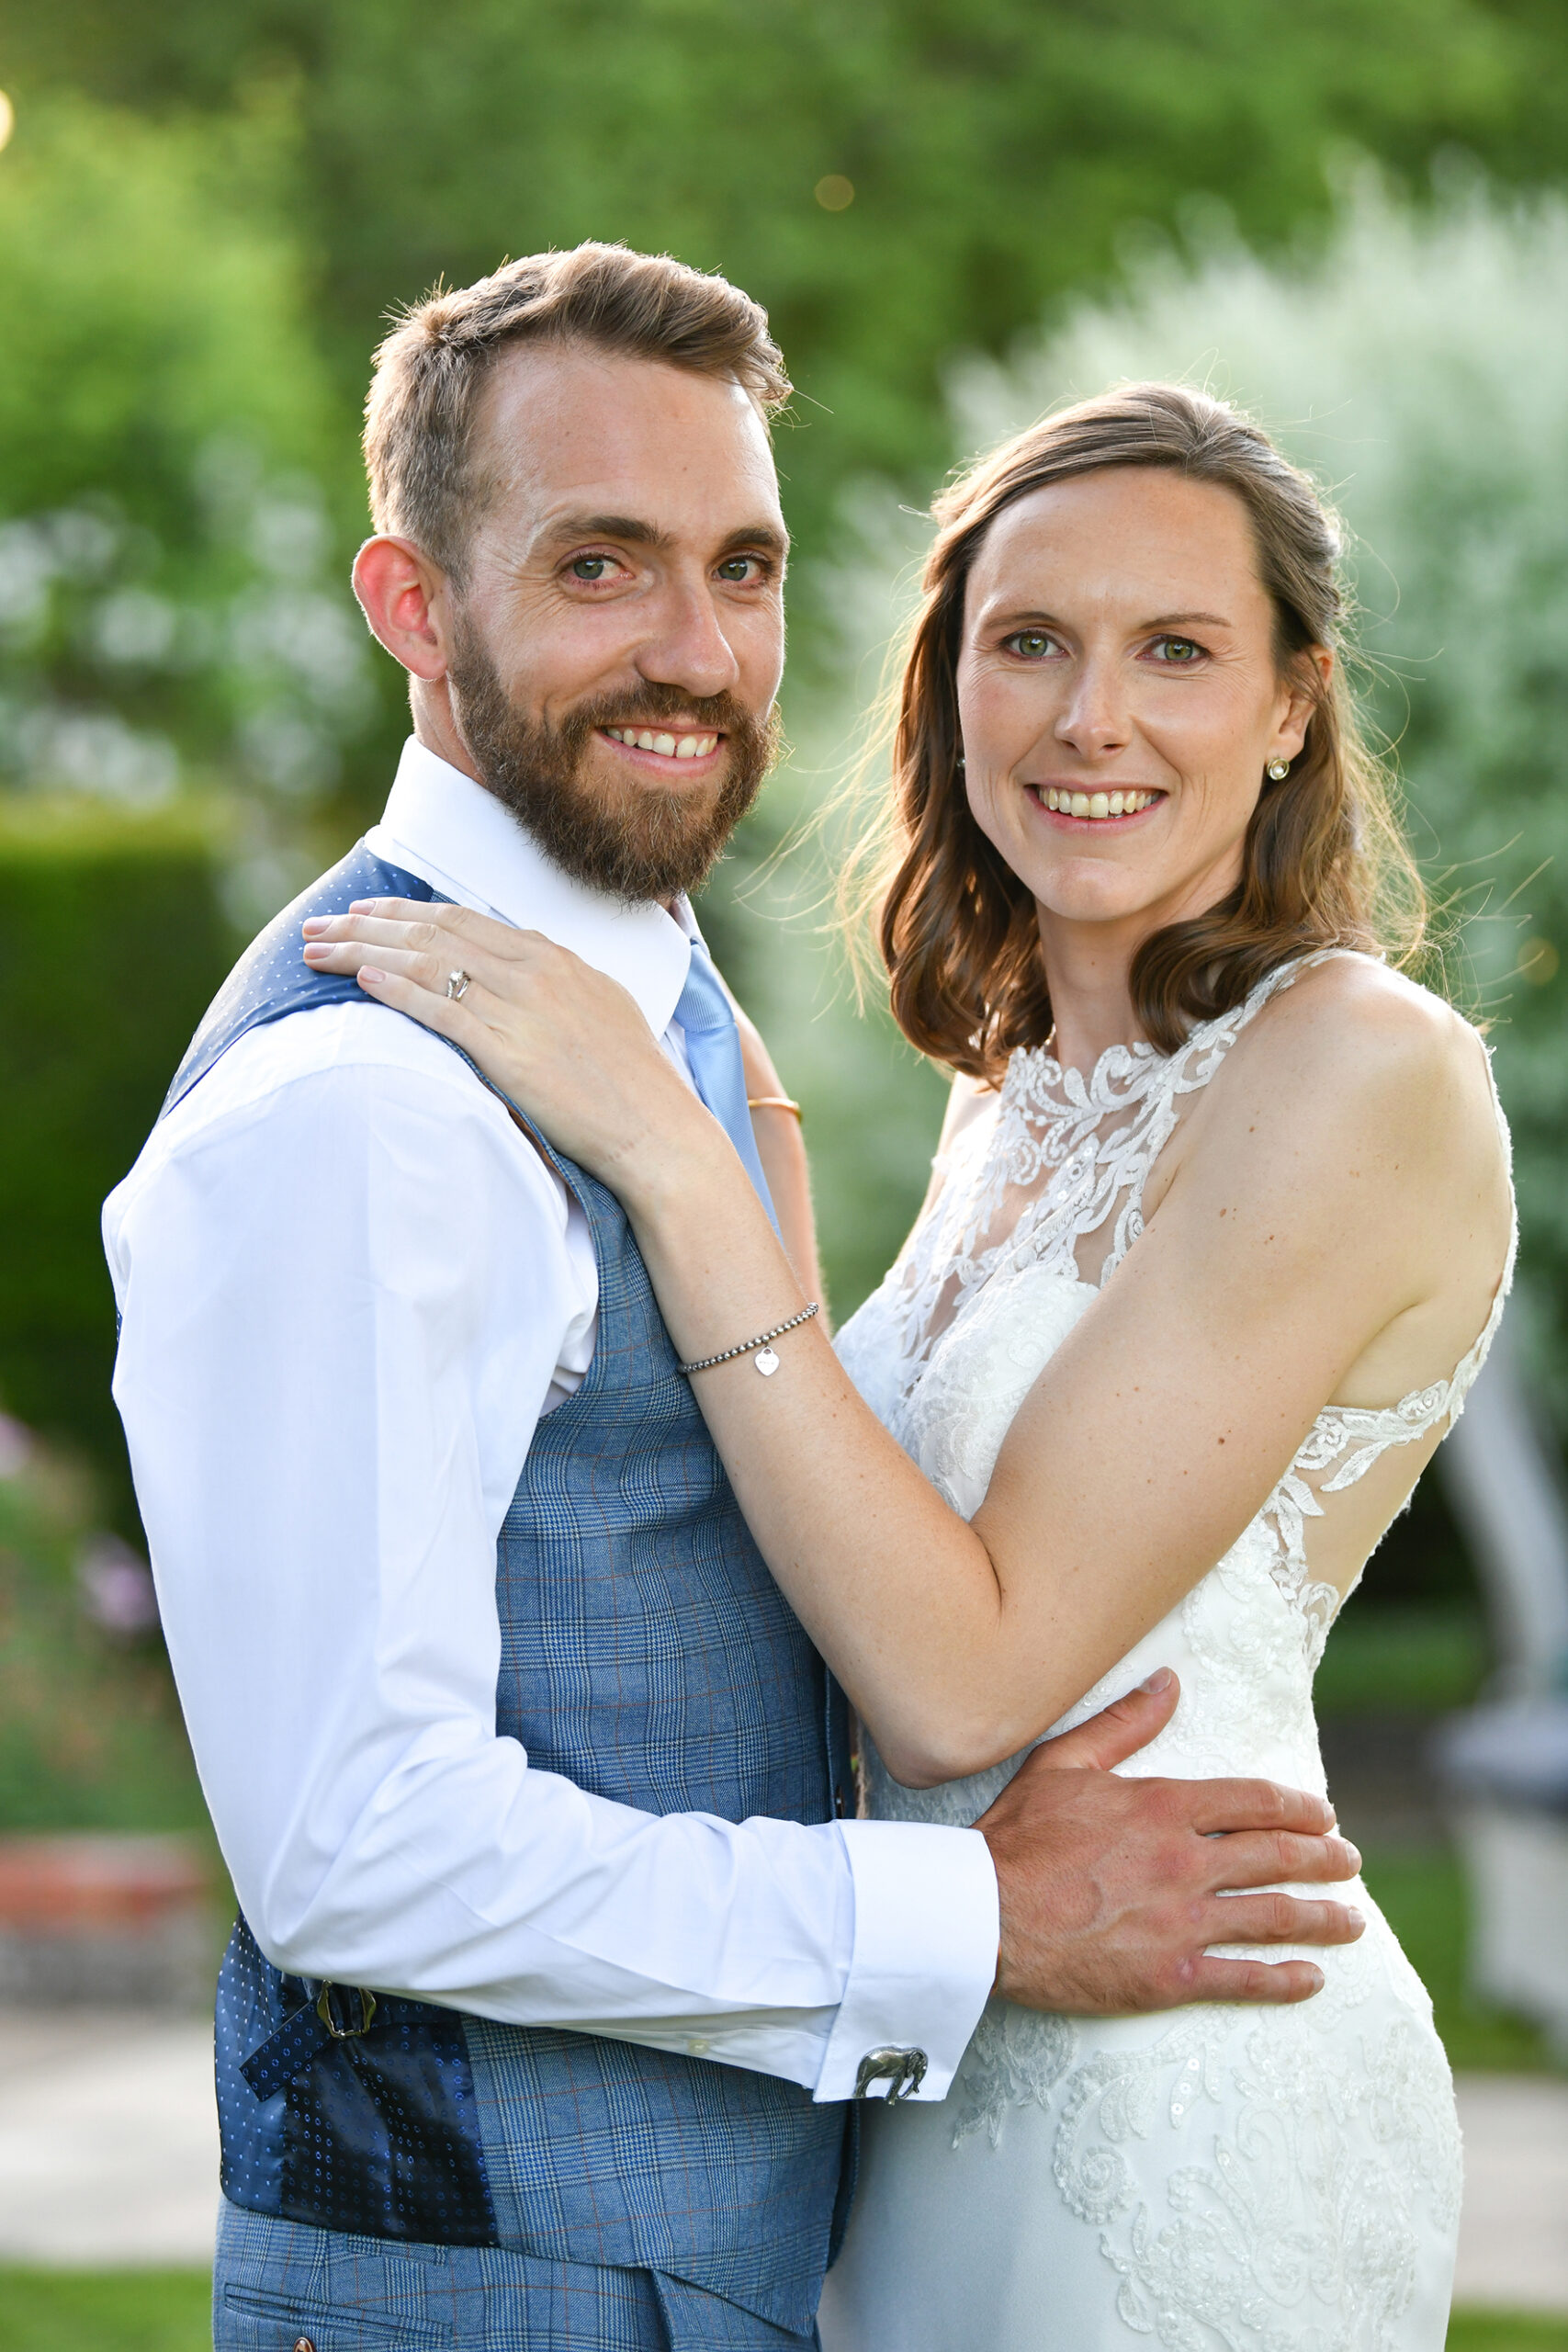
x: 1320, y: 1205
x: 781, y: 1148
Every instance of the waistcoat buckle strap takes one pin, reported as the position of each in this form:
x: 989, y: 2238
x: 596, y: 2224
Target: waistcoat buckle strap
x: 332, y: 2007
x: 307, y: 2032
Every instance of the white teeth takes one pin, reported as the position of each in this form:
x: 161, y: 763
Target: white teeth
x: 1097, y: 806
x: 690, y: 747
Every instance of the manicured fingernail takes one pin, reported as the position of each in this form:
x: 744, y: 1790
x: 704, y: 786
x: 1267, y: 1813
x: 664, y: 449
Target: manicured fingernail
x: 360, y: 906
x: 313, y: 923
x: 1160, y: 1680
x: 1357, y: 1918
x: 1355, y: 1854
x: 1316, y: 1976
x: 370, y: 977
x: 316, y: 948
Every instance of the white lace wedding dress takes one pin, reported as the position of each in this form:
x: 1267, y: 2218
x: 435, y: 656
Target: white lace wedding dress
x: 1209, y: 2179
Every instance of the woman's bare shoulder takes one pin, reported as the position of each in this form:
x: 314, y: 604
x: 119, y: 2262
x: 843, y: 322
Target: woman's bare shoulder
x: 1353, y: 1014
x: 1352, y: 1045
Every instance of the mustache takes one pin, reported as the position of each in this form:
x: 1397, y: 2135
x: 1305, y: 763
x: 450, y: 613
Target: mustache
x: 719, y: 713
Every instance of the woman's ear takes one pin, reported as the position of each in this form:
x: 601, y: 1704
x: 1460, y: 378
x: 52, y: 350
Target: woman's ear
x: 1304, y: 689
x: 403, y: 596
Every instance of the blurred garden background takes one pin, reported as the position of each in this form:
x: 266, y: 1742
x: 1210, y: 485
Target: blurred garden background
x: 1353, y: 220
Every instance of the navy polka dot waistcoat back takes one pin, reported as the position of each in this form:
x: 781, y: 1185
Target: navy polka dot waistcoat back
x: 648, y: 1655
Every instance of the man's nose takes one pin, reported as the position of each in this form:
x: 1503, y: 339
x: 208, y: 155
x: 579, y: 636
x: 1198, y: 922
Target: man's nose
x: 687, y: 647
x: 1094, y: 719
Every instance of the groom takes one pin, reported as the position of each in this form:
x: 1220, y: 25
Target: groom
x: 561, y: 1961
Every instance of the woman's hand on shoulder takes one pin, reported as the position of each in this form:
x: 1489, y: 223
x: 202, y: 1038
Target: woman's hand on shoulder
x: 565, y: 1044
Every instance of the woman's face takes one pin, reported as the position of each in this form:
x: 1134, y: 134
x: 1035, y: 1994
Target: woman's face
x: 1118, y: 697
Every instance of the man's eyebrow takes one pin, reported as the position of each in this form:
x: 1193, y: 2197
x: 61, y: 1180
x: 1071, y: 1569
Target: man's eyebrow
x: 608, y: 526
x: 634, y: 531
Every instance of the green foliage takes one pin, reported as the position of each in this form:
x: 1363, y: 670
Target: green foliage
x: 165, y: 433
x: 1506, y: 2332
x: 149, y: 302
x: 112, y: 942
x: 90, y: 1734
x: 996, y: 154
x: 106, y: 2311
x: 1402, y: 1660
x: 1424, y: 1893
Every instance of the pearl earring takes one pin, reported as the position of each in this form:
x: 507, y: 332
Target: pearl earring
x: 1278, y: 771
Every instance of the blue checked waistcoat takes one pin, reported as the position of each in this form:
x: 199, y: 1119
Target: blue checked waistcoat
x: 648, y: 1655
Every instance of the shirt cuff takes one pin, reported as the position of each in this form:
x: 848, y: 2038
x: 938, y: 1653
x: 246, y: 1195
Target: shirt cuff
x: 928, y: 1922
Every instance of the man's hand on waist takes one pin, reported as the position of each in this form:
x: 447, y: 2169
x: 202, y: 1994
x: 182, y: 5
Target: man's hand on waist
x: 1113, y: 1889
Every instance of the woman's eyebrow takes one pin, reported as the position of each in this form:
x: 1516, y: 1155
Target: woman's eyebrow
x: 1188, y: 620
x: 1035, y: 617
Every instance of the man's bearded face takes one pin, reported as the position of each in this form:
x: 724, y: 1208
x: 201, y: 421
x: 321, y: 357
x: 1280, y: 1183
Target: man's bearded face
x: 637, y: 841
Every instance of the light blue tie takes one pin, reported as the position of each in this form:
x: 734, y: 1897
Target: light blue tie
x: 713, y: 1043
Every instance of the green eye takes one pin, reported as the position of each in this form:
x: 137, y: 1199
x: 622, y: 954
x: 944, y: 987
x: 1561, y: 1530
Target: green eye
x: 1178, y: 652
x: 736, y: 568
x: 1031, y: 644
x: 590, y: 567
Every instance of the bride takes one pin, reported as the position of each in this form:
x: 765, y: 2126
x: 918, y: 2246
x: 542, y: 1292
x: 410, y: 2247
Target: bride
x: 1218, y: 1234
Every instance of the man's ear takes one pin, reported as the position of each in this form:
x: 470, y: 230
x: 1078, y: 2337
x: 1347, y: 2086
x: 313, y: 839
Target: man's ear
x: 403, y: 596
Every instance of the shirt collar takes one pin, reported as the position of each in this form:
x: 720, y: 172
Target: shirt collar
x: 461, y: 839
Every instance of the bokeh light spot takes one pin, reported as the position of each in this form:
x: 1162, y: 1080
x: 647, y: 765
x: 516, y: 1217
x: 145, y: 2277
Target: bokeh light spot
x: 834, y: 193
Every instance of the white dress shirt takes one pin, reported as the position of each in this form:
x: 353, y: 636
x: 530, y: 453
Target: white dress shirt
x: 350, y: 1289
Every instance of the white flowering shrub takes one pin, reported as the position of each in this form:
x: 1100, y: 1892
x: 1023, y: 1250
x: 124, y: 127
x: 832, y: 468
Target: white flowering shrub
x: 127, y: 669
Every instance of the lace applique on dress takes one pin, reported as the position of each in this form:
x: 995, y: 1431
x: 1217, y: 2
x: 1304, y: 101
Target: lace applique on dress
x: 1065, y: 1160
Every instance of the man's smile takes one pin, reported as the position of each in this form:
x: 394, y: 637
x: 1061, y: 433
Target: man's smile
x: 665, y: 747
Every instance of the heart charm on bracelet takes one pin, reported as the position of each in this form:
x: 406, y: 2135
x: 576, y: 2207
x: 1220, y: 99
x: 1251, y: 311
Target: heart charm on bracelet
x: 767, y: 1362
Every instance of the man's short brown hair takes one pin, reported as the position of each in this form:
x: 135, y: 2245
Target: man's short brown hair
x: 431, y: 369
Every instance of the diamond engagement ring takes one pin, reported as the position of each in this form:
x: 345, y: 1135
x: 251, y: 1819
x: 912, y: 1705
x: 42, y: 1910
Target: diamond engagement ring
x: 457, y: 986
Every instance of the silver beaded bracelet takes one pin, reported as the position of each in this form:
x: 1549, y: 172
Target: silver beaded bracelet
x: 767, y: 1361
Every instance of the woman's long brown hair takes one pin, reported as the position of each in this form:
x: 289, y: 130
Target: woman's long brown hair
x: 1324, y: 862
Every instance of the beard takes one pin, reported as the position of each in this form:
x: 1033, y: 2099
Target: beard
x: 641, y: 843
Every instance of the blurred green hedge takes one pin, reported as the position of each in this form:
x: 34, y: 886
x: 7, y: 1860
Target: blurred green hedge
x: 112, y: 941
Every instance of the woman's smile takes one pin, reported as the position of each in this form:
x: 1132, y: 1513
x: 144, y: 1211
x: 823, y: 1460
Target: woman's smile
x: 1100, y: 804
